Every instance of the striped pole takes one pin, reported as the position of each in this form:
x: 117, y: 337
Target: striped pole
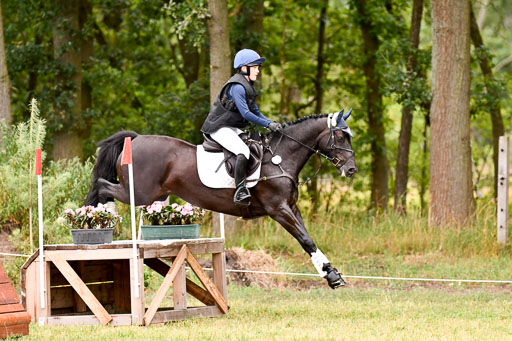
x: 39, y: 173
x: 127, y: 160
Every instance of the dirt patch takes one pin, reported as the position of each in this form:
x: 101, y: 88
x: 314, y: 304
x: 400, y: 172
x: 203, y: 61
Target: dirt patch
x: 5, y: 245
x: 240, y: 259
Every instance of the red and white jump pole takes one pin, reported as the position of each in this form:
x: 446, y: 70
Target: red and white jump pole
x: 39, y: 173
x: 127, y: 160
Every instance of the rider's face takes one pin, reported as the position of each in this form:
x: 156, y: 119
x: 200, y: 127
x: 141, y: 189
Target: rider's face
x: 255, y: 71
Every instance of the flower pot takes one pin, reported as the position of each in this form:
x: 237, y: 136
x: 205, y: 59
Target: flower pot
x: 158, y: 232
x: 93, y: 236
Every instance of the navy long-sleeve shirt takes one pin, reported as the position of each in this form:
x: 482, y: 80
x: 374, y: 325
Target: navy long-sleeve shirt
x: 237, y: 93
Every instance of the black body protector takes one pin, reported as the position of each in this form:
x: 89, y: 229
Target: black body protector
x: 224, y: 113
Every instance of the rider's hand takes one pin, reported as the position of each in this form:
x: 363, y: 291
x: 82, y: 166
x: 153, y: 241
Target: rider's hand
x: 274, y: 126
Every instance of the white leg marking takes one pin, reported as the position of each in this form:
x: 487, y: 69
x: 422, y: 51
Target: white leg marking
x: 319, y: 259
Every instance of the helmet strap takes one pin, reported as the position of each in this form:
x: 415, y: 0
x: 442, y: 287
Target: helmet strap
x: 245, y: 73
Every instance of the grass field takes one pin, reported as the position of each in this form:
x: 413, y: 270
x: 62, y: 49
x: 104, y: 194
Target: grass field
x: 365, y: 245
x: 443, y: 313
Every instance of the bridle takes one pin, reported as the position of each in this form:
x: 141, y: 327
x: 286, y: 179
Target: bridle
x: 332, y: 148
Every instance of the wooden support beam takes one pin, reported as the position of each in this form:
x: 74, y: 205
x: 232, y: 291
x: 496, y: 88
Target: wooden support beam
x: 80, y: 287
x: 192, y: 288
x: 219, y: 273
x: 207, y: 282
x: 179, y: 294
x: 166, y: 284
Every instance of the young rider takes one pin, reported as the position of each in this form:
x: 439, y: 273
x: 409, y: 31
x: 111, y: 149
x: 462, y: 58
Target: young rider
x: 235, y: 108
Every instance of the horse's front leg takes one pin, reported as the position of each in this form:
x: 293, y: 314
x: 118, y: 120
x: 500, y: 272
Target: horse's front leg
x: 291, y: 219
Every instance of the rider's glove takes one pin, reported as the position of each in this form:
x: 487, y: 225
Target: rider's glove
x: 274, y: 126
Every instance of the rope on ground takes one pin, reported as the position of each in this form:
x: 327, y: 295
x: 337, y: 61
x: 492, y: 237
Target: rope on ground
x: 375, y: 277
x: 346, y: 276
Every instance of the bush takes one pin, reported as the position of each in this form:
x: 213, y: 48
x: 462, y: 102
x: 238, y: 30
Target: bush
x: 65, y: 183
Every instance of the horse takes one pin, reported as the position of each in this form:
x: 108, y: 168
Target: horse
x: 164, y: 165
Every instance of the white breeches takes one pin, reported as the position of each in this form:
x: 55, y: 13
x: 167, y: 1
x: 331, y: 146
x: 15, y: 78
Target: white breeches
x: 228, y: 138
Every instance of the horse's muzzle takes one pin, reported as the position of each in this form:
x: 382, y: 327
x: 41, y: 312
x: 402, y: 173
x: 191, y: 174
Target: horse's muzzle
x: 347, y: 170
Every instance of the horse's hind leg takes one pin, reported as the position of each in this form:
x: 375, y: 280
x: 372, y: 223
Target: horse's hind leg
x: 108, y: 190
x: 291, y: 219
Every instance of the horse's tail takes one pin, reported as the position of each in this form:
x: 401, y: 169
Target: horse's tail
x: 105, y: 166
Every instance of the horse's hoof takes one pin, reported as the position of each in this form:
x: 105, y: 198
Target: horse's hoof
x: 333, y: 277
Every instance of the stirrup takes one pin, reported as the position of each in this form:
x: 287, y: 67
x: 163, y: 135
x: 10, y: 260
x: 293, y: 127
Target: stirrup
x: 240, y: 198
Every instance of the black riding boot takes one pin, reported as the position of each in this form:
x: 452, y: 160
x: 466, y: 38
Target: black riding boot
x: 242, y: 195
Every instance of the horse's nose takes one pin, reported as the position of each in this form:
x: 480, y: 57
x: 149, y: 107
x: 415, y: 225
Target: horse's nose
x: 351, y: 171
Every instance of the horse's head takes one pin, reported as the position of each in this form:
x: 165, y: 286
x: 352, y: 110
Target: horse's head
x: 336, y: 143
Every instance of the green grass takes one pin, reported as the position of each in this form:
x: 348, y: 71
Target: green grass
x: 323, y: 314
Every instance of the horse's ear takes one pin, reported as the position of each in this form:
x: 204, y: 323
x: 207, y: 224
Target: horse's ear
x: 339, y: 117
x: 347, y: 115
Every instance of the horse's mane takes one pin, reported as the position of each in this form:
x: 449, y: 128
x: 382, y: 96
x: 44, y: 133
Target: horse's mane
x: 305, y: 118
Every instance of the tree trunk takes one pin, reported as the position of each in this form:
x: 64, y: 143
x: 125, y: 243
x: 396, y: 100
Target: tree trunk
x: 498, y: 128
x: 5, y: 84
x: 220, y: 69
x: 404, y: 141
x: 67, y: 142
x: 319, y: 98
x: 374, y: 107
x: 451, y: 191
x: 220, y: 54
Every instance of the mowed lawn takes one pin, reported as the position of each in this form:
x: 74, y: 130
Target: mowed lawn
x: 441, y: 313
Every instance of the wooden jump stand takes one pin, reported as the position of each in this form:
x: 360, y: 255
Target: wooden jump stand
x: 94, y: 284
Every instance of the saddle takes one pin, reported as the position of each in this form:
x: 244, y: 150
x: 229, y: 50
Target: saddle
x: 253, y: 140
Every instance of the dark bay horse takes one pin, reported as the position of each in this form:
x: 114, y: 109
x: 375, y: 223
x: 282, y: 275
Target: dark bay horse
x: 165, y: 165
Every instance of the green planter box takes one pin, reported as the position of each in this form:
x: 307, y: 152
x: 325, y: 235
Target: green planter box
x: 157, y: 232
x: 94, y: 236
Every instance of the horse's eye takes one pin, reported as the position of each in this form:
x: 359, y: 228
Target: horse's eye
x: 340, y: 138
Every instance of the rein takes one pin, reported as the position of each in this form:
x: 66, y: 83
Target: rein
x: 334, y: 160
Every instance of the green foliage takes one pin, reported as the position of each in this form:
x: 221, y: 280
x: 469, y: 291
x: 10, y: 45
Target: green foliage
x: 65, y: 183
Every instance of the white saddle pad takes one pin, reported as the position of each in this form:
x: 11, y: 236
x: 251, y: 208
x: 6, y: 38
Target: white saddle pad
x: 207, y: 164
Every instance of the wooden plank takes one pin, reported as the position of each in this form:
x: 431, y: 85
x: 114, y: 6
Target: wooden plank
x: 80, y: 287
x: 100, y: 254
x: 207, y: 282
x: 179, y: 294
x: 28, y: 291
x: 137, y: 303
x: 11, y: 319
x: 176, y: 315
x: 121, y: 271
x: 192, y: 288
x: 7, y: 294
x: 11, y: 308
x: 117, y: 320
x: 19, y: 329
x: 90, y: 272
x: 219, y: 273
x: 503, y: 171
x: 63, y: 297
x: 166, y: 284
x: 3, y: 275
x: 173, y: 250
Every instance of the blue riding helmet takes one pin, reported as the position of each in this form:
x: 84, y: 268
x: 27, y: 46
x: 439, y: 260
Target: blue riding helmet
x: 247, y: 57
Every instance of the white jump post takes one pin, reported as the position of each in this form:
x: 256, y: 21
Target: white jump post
x: 127, y: 160
x: 502, y: 188
x: 39, y: 174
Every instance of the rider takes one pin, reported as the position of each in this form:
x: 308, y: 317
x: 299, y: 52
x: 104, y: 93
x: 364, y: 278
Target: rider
x: 235, y: 108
